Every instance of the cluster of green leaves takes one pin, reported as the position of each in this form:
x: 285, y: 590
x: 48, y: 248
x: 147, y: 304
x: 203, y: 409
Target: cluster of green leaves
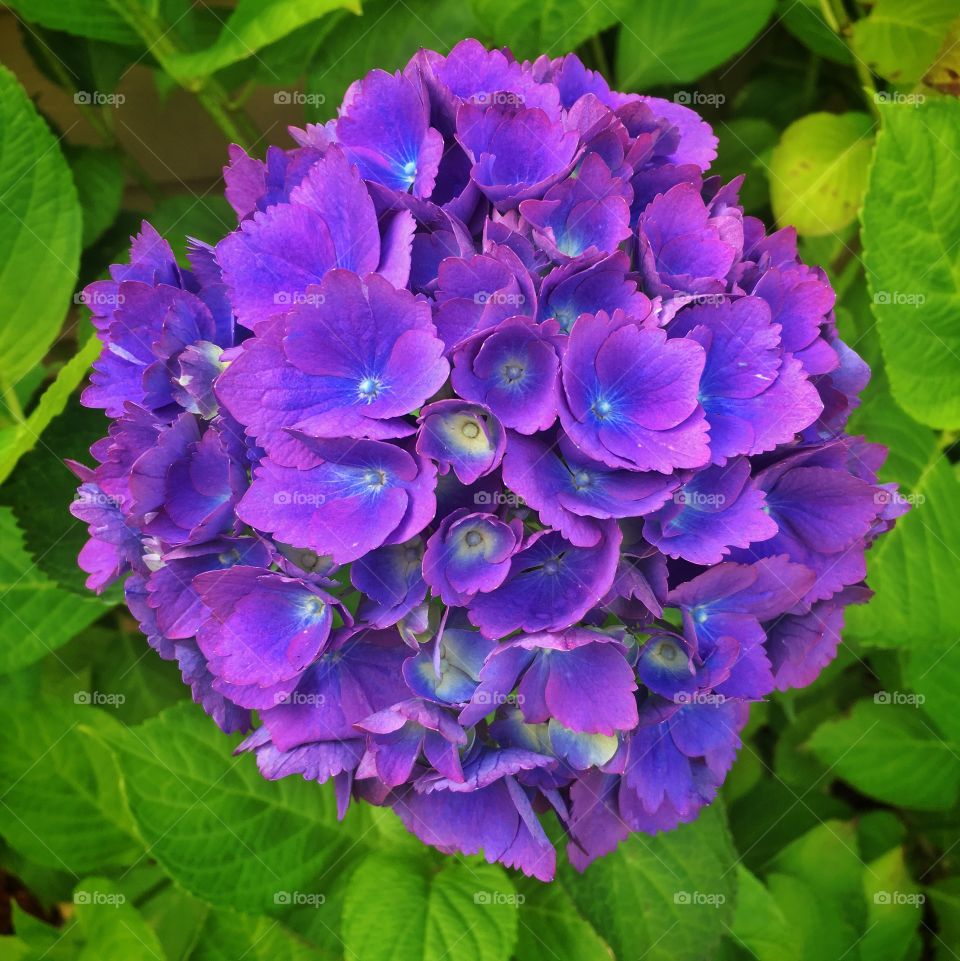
x: 127, y: 828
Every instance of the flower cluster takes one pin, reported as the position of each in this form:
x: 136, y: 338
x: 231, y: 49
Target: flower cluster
x: 496, y: 460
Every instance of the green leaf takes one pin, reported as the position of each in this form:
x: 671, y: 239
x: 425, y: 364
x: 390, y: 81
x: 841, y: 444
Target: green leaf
x: 61, y: 804
x: 900, y: 38
x: 913, y: 570
x: 20, y: 439
x: 217, y: 827
x: 670, y: 896
x: 36, y: 615
x: 817, y: 929
x: 98, y: 176
x: 463, y: 910
x: 895, y: 909
x: 759, y: 924
x: 82, y: 18
x: 828, y: 859
x: 252, y: 25
x: 945, y: 896
x: 672, y: 43
x: 911, y: 240
x: 818, y: 171
x: 111, y: 925
x: 554, y: 27
x: 804, y: 19
x: 551, y: 927
x: 888, y: 751
x: 228, y: 935
x: 185, y: 215
x: 40, y: 226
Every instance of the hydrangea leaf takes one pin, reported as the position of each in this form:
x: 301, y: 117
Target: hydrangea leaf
x: 818, y: 171
x: 555, y: 27
x: 551, y: 926
x: 466, y: 909
x: 83, y: 18
x: 891, y: 752
x: 945, y: 896
x: 805, y: 21
x: 759, y: 924
x: 36, y: 615
x: 215, y: 825
x: 112, y: 927
x: 680, y: 878
x: 98, y: 176
x: 252, y: 25
x: 900, y: 38
x: 664, y: 43
x: 62, y: 805
x: 911, y: 240
x: 39, y: 237
x: 226, y: 935
x: 827, y: 857
x: 913, y: 570
x: 818, y: 930
x: 894, y: 911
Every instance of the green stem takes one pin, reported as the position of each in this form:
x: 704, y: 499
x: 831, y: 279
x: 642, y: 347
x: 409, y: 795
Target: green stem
x: 233, y: 122
x: 835, y: 13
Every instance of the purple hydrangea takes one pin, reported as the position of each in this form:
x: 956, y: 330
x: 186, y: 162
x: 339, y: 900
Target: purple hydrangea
x: 495, y: 459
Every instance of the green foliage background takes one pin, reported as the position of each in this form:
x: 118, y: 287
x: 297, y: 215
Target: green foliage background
x: 127, y: 829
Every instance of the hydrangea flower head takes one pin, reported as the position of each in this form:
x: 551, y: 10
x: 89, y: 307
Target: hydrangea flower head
x: 495, y: 459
